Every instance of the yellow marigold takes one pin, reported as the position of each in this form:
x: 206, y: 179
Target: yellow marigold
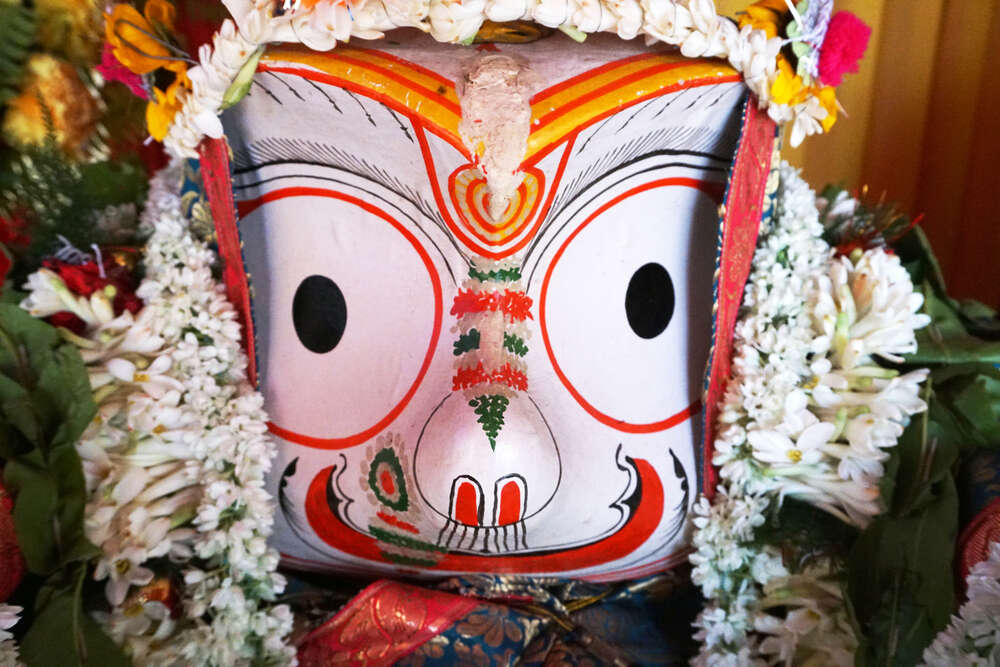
x: 160, y: 11
x: 56, y: 84
x: 827, y: 97
x: 787, y: 87
x: 765, y: 15
x: 164, y: 106
x: 70, y: 28
x: 133, y: 40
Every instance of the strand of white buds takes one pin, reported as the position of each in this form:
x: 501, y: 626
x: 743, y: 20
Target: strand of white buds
x: 972, y: 639
x: 175, y: 459
x: 9, y: 655
x: 692, y: 25
x: 812, y: 626
x: 808, y: 413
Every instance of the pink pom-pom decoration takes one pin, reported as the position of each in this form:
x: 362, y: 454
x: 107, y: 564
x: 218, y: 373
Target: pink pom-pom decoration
x: 112, y: 70
x: 845, y: 43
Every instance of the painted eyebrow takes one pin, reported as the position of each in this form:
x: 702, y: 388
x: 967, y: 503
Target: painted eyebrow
x: 272, y: 151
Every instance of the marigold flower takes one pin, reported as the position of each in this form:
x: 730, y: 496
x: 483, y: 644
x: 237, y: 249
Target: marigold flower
x: 827, y: 97
x: 160, y: 11
x: 160, y: 111
x: 788, y: 87
x: 133, y: 38
x: 764, y: 15
x: 52, y: 87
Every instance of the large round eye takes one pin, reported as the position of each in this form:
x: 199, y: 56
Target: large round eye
x: 319, y: 314
x: 348, y: 308
x: 626, y: 302
x: 649, y: 300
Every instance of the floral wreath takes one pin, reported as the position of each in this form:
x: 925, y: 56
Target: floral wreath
x: 822, y: 46
x: 164, y: 438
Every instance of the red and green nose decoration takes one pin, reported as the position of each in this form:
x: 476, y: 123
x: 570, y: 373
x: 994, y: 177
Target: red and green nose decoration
x: 491, y: 309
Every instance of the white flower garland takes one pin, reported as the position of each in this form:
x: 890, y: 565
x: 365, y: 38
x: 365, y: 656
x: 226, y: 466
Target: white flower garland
x: 807, y: 413
x: 692, y: 25
x: 972, y: 639
x: 9, y: 616
x: 176, y: 457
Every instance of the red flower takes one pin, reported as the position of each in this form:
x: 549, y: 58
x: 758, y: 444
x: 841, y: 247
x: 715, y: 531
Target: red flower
x: 112, y: 70
x: 85, y: 279
x: 11, y: 558
x: 845, y: 43
x: 11, y: 234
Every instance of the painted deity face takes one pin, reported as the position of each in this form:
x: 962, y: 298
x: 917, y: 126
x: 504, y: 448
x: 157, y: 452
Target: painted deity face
x: 456, y: 387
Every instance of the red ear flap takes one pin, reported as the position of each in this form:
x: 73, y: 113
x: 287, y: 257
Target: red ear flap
x: 217, y: 179
x: 741, y: 214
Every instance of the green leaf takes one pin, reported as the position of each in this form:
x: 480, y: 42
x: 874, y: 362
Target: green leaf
x: 62, y: 635
x: 900, y: 578
x: 244, y: 79
x: 34, y: 514
x: 17, y: 32
x: 45, y: 405
x: 965, y: 410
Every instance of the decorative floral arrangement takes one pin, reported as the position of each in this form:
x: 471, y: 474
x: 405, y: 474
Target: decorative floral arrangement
x: 795, y: 87
x: 971, y: 637
x: 808, y: 414
x: 137, y: 449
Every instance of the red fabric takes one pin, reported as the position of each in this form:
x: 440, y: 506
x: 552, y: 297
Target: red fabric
x: 11, y: 559
x: 385, y: 622
x: 214, y: 154
x: 741, y: 215
x: 974, y: 542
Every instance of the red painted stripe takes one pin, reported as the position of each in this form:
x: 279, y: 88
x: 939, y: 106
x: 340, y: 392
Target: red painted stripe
x: 711, y: 189
x: 367, y: 434
x: 398, y: 523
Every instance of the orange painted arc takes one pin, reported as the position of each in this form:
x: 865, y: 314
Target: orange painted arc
x: 450, y: 222
x: 363, y: 436
x: 709, y: 188
x: 524, y: 193
x: 557, y: 111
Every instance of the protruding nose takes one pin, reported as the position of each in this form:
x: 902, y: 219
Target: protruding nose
x: 464, y: 479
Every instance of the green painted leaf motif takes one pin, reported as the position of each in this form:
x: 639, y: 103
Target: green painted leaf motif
x: 491, y: 410
x: 244, y: 79
x: 467, y: 341
x: 386, y: 480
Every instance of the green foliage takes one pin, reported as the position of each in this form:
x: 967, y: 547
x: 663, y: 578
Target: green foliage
x: 900, y: 576
x: 806, y: 530
x: 244, y: 78
x: 45, y: 405
x: 900, y: 569
x: 961, y: 346
x: 17, y: 32
x: 63, y: 635
x: 62, y: 199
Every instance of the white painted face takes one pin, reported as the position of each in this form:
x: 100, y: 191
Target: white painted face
x: 457, y: 393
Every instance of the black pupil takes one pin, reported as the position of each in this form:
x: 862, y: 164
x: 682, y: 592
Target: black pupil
x: 319, y: 314
x: 649, y: 300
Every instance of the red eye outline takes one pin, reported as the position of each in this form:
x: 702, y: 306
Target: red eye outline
x: 363, y: 436
x: 713, y: 190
